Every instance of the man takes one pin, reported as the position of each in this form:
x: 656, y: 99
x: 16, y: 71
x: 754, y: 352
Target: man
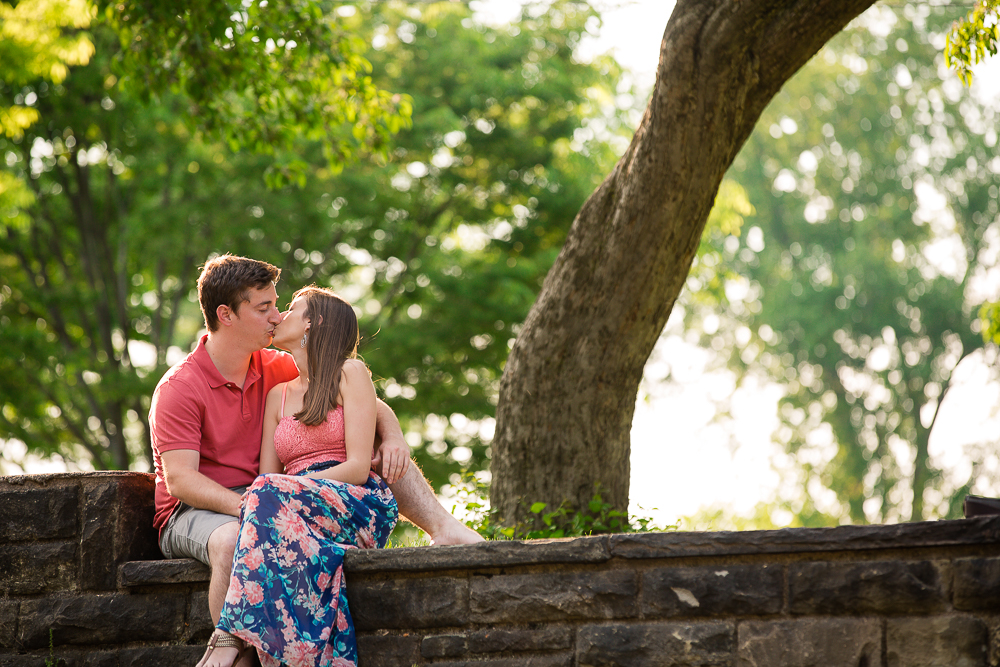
x: 206, y: 422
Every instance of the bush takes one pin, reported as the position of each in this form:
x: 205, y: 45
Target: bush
x: 563, y: 521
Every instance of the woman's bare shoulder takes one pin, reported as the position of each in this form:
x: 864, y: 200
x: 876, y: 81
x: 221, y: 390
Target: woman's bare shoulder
x: 275, y: 394
x: 356, y: 367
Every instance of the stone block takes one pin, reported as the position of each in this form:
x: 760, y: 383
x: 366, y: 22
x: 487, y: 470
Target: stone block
x: 497, y: 640
x: 99, y: 555
x: 530, y: 598
x: 199, y: 625
x: 32, y: 659
x: 158, y: 656
x: 810, y: 642
x: 710, y: 591
x: 498, y: 553
x: 918, y: 534
x: 545, y: 660
x: 879, y: 587
x: 701, y: 643
x: 408, y: 603
x: 173, y: 571
x: 136, y: 538
x: 937, y: 641
x: 385, y: 650
x: 977, y: 583
x: 151, y: 656
x: 101, y: 619
x: 28, y: 569
x: 29, y: 513
x: 8, y: 622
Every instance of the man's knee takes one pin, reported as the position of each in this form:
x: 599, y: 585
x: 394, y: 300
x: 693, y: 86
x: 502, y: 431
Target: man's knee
x: 222, y: 545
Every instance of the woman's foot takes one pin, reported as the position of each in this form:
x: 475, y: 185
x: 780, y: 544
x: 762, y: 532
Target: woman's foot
x: 224, y: 650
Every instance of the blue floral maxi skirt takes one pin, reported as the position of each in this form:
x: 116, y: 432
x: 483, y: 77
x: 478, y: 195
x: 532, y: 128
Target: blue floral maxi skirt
x: 287, y: 595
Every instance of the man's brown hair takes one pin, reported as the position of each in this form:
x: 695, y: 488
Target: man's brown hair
x: 333, y: 339
x: 227, y: 280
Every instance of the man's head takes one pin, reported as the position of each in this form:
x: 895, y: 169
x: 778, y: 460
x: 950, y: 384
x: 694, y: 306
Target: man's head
x: 228, y: 281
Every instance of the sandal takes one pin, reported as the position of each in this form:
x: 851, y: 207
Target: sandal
x: 222, y: 639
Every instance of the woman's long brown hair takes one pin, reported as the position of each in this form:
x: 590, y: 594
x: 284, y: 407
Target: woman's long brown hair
x: 333, y: 339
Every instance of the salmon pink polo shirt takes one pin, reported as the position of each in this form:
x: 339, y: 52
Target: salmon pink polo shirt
x: 194, y: 407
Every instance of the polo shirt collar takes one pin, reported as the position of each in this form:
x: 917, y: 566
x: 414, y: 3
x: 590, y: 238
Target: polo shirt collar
x: 212, y: 374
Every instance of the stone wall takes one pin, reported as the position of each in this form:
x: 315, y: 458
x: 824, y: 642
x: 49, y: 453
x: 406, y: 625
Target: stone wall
x: 78, y: 558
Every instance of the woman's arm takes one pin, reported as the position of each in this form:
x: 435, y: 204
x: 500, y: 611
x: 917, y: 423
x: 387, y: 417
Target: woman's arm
x: 269, y: 461
x: 357, y: 395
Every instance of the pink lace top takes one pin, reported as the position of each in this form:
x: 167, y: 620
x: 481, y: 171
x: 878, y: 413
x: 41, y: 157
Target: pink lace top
x: 299, y: 446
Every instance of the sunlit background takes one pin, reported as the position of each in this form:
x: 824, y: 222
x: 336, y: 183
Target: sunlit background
x: 712, y: 440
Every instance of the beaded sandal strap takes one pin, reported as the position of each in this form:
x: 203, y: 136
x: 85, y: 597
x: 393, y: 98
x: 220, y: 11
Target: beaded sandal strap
x: 225, y: 640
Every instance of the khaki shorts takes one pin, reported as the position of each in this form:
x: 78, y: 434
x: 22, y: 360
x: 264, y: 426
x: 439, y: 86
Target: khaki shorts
x: 188, y: 530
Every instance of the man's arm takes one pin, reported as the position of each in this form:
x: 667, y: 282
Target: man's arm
x: 392, y: 454
x: 184, y: 482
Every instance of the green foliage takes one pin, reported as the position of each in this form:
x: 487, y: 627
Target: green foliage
x: 865, y: 166
x: 989, y: 317
x: 51, y: 661
x: 114, y: 214
x: 764, y: 516
x: 110, y: 205
x: 445, y: 247
x: 707, y: 279
x: 33, y: 45
x: 261, y: 75
x: 406, y: 535
x: 973, y: 38
x: 545, y: 523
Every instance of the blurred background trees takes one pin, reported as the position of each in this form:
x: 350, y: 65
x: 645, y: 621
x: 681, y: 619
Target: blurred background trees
x: 851, y: 247
x: 441, y: 242
x: 873, y: 176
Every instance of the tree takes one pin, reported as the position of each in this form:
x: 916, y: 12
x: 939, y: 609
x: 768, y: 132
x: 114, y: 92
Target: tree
x: 99, y: 261
x: 973, y: 38
x: 442, y: 248
x: 970, y: 41
x: 465, y: 221
x: 33, y: 46
x: 872, y: 176
x: 260, y: 75
x: 568, y: 390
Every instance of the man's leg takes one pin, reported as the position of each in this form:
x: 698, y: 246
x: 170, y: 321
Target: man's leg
x: 210, y: 538
x: 221, y: 547
x: 417, y: 502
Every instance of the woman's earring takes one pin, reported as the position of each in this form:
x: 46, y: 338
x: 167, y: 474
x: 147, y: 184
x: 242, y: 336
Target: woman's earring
x: 304, y: 339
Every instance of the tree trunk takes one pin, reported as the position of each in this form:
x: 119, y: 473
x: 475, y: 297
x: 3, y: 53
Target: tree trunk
x: 569, y: 388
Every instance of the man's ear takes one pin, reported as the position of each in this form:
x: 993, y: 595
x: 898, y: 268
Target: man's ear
x: 225, y: 315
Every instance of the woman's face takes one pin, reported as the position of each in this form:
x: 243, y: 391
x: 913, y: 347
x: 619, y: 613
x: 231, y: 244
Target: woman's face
x: 288, y: 334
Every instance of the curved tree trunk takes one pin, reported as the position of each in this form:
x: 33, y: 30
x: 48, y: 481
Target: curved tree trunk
x: 569, y: 388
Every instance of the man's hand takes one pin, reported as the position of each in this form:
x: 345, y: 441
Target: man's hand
x: 392, y: 458
x: 392, y: 454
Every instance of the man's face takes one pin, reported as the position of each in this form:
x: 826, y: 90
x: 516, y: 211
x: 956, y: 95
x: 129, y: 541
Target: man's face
x: 255, y: 319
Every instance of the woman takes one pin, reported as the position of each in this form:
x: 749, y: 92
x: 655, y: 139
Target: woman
x: 287, y: 593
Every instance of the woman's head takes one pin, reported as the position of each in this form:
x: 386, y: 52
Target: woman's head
x: 332, y: 325
x: 332, y: 337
